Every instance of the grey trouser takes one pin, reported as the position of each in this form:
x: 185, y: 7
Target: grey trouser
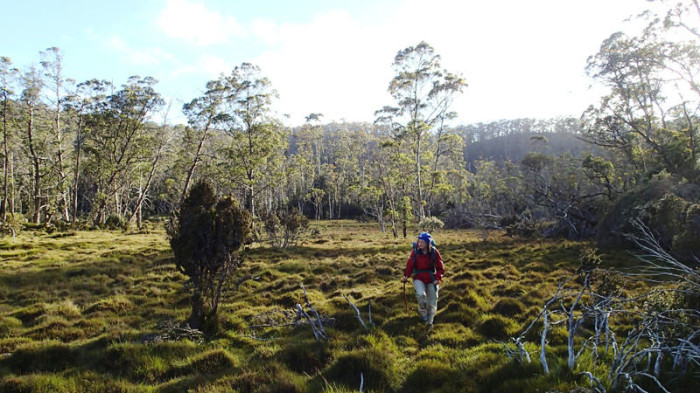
x: 427, y: 295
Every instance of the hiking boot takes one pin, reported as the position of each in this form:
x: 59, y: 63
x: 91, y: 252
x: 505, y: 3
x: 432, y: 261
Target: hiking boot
x: 429, y: 326
x: 424, y: 318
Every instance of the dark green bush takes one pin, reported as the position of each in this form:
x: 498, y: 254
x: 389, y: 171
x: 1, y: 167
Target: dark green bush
x: 114, y: 222
x: 669, y: 206
x: 205, y: 237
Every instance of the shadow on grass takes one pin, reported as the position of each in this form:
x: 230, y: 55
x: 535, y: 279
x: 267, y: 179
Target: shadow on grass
x: 98, y: 276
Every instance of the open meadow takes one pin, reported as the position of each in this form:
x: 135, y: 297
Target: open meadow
x: 93, y: 311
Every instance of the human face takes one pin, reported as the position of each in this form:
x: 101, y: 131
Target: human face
x: 422, y: 244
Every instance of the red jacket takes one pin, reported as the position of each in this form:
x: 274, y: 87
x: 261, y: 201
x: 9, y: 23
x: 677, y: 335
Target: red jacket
x: 424, y: 263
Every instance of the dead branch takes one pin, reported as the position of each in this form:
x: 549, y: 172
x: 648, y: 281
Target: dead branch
x: 318, y: 317
x: 357, y: 312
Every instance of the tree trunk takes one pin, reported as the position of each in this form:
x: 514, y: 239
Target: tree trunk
x: 76, y: 178
x: 12, y: 184
x: 6, y: 163
x: 144, y: 190
x: 63, y: 201
x: 190, y: 172
x: 197, y: 316
x: 330, y: 206
x: 36, y: 163
x: 250, y: 204
x: 421, y: 211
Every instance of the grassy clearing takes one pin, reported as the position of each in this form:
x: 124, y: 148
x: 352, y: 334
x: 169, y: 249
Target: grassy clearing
x: 75, y: 311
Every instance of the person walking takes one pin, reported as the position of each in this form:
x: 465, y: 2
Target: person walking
x: 425, y: 264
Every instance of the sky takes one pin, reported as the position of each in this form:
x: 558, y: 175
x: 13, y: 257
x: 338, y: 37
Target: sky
x: 519, y: 58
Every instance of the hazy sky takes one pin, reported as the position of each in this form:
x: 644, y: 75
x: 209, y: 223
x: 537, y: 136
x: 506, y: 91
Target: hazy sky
x: 520, y: 58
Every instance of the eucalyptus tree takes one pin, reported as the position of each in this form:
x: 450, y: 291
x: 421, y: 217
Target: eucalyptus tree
x: 651, y: 112
x: 202, y: 114
x: 119, y: 140
x: 351, y: 154
x: 448, y: 156
x: 316, y: 134
x: 392, y: 167
x: 306, y: 147
x: 56, y: 82
x: 8, y: 77
x: 159, y: 141
x: 34, y: 137
x: 83, y: 108
x: 423, y: 93
x: 256, y: 137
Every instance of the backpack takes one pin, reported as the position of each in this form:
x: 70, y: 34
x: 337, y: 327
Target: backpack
x: 431, y: 253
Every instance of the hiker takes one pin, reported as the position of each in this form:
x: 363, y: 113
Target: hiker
x: 426, y: 266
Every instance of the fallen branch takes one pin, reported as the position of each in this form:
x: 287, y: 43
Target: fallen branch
x: 357, y: 312
x: 318, y: 334
x: 318, y: 318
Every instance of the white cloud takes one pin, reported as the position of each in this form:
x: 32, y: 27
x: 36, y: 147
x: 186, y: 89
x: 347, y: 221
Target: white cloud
x: 331, y: 65
x: 265, y: 30
x: 139, y: 57
x: 520, y: 59
x: 208, y: 65
x: 193, y: 22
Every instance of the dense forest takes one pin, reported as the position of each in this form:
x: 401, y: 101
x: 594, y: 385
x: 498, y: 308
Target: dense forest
x: 90, y: 154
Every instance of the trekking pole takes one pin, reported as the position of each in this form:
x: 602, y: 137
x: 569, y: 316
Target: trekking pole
x: 405, y: 300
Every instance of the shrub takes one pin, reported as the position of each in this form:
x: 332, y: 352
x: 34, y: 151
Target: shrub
x: 13, y: 225
x: 669, y: 207
x: 285, y: 228
x: 114, y: 222
x: 205, y: 236
x: 430, y: 224
x: 522, y: 225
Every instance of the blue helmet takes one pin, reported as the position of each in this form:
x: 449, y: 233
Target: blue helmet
x: 425, y: 236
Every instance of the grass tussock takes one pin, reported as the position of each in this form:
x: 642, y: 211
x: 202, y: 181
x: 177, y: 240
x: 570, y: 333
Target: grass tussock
x: 117, y: 304
x: 379, y: 368
x: 497, y: 327
x: 508, y: 307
